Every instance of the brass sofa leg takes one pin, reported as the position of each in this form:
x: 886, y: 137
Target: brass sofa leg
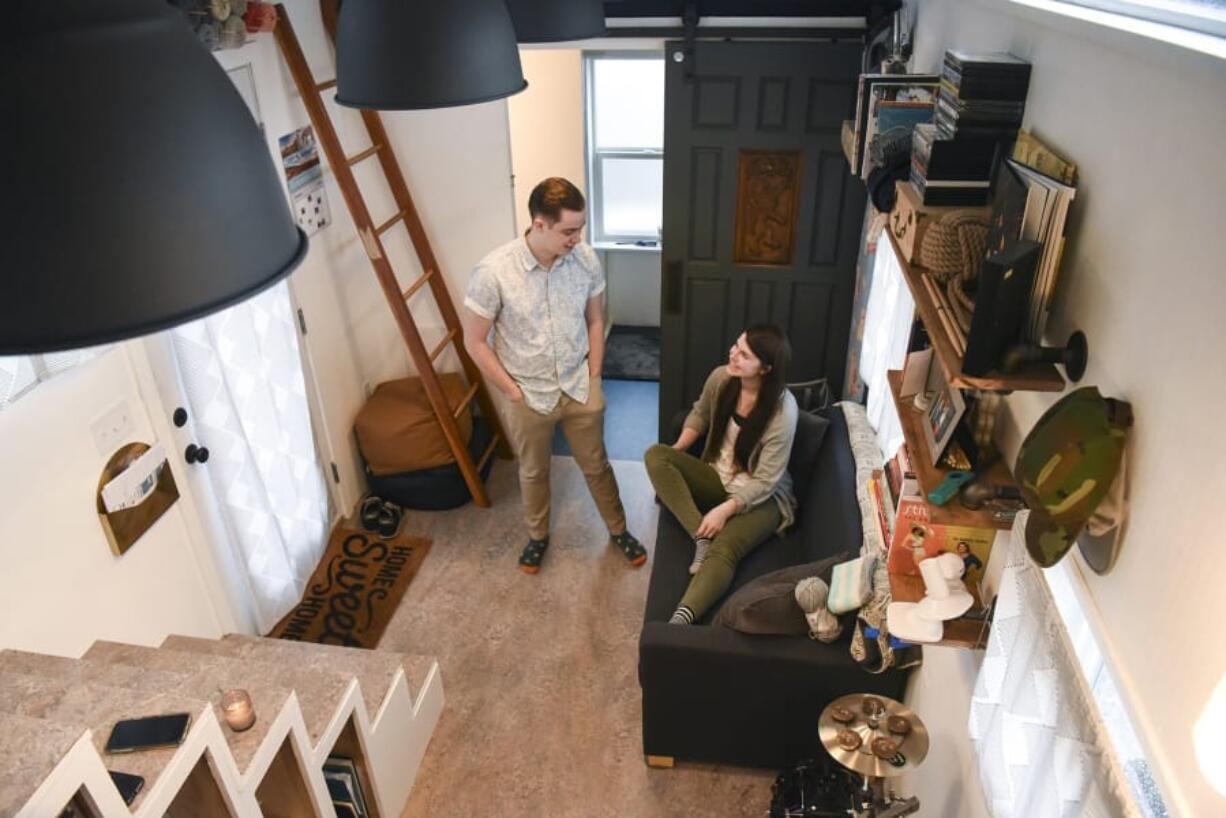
x: 661, y: 762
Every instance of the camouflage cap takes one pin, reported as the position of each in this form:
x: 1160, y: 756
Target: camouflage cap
x: 1066, y: 466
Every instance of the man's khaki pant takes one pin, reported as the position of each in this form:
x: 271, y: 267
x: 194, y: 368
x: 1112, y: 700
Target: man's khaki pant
x: 531, y: 434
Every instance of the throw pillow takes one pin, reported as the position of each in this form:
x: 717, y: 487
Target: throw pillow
x: 810, y: 431
x: 768, y: 604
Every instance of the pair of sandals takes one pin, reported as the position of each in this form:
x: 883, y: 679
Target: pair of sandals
x: 534, y: 552
x: 381, y: 516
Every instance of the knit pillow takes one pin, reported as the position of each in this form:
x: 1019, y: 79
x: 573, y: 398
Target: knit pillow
x: 767, y: 605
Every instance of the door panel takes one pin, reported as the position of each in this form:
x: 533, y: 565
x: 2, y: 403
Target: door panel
x: 729, y: 106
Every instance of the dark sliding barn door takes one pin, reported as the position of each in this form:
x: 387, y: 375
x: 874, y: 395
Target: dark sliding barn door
x: 761, y: 216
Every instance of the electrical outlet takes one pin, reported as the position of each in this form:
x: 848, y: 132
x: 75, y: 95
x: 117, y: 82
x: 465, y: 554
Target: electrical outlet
x: 112, y: 428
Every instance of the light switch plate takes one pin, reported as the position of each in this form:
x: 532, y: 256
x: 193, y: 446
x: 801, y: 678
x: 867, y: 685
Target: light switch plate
x: 112, y: 428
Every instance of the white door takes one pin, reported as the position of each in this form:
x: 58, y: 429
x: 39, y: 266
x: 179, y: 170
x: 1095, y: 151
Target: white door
x: 232, y: 387
x: 238, y: 399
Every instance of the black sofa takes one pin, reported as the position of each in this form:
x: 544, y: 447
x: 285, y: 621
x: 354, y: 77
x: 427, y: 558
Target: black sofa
x: 711, y: 694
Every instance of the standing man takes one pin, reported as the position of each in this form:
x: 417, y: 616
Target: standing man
x: 540, y: 294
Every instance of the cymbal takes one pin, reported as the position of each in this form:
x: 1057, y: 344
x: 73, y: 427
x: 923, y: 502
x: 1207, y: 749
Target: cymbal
x: 873, y: 735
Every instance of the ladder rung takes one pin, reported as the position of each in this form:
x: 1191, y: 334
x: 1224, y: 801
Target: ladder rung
x: 489, y: 451
x: 434, y: 353
x: 383, y: 227
x: 467, y: 399
x: 366, y: 154
x: 417, y: 285
x: 324, y: 86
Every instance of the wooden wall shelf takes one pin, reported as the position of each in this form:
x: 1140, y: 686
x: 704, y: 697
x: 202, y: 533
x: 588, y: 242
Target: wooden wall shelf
x: 1036, y: 377
x: 930, y: 476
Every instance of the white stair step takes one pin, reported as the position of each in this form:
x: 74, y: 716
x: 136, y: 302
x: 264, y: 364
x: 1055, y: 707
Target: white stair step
x: 61, y: 668
x: 378, y: 663
x: 30, y: 751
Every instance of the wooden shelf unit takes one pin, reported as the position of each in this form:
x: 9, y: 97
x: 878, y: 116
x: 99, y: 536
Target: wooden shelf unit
x: 962, y: 632
x: 1035, y: 377
x: 930, y: 476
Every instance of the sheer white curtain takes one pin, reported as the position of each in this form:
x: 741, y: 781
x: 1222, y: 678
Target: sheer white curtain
x: 1040, y: 742
x: 887, y: 328
x: 243, y: 381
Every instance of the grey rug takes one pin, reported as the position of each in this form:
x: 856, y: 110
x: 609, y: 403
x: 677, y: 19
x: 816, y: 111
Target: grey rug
x: 540, y: 672
x: 632, y: 354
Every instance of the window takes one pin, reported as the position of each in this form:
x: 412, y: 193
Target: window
x: 1206, y: 16
x: 1145, y: 792
x: 625, y: 145
x: 20, y: 373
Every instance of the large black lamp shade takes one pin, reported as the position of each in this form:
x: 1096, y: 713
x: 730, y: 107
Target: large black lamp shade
x: 138, y: 190
x: 551, y: 21
x: 397, y: 55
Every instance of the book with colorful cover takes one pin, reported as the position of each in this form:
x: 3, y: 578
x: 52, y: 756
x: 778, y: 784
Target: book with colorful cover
x: 915, y: 530
x: 885, y: 512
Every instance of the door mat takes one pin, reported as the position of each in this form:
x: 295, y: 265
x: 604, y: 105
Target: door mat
x: 632, y: 354
x: 355, y: 589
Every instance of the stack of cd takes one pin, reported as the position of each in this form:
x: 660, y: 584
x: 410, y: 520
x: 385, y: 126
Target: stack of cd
x: 979, y: 108
x: 982, y: 95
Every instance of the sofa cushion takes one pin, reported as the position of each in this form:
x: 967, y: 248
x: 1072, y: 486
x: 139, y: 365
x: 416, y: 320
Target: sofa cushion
x: 810, y: 431
x: 768, y: 604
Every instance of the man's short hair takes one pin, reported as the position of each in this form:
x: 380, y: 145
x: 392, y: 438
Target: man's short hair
x: 555, y: 194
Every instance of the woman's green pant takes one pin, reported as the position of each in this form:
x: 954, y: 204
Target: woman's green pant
x: 689, y: 488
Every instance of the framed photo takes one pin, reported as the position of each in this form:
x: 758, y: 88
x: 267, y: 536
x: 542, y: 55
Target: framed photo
x: 893, y: 87
x: 943, y: 415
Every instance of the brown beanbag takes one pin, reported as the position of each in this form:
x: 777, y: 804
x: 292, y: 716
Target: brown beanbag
x: 398, y: 432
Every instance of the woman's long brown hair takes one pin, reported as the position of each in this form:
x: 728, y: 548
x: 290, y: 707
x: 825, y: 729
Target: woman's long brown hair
x: 771, y: 347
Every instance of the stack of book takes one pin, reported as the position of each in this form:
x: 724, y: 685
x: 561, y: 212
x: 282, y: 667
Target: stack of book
x: 901, y: 478
x: 979, y: 107
x: 345, y: 788
x: 1031, y: 206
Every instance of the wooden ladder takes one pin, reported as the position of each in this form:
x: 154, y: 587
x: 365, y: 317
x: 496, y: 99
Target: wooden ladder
x: 369, y: 233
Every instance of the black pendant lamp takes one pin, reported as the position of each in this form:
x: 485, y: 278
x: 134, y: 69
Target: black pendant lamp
x: 396, y: 55
x: 139, y: 192
x: 552, y: 21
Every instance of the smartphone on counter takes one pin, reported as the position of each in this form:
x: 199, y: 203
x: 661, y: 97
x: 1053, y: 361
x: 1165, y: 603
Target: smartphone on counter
x: 129, y: 785
x: 153, y: 731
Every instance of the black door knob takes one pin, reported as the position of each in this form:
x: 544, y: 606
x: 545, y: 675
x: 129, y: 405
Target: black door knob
x: 179, y: 417
x: 196, y: 454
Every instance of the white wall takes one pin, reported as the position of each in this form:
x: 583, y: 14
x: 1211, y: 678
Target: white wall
x: 547, y: 139
x: 546, y: 124
x: 634, y: 286
x: 1142, y: 277
x: 456, y: 162
x: 63, y: 587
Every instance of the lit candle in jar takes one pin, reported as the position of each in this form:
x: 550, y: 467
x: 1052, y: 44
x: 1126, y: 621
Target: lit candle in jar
x: 237, y: 709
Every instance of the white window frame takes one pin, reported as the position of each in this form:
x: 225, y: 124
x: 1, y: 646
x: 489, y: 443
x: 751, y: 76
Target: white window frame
x: 45, y: 371
x: 599, y: 236
x: 1166, y: 12
x: 1088, y: 635
x: 1093, y: 13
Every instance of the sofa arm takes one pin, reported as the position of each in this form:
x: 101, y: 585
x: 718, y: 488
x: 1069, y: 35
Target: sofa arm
x: 712, y: 694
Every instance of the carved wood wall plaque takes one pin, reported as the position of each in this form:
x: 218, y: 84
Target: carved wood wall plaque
x: 767, y: 203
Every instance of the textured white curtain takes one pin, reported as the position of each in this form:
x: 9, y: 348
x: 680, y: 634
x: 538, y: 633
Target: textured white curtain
x: 243, y: 379
x: 887, y: 328
x: 1040, y: 742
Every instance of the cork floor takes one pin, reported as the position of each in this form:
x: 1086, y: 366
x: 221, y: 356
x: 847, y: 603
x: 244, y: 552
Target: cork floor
x: 542, y: 713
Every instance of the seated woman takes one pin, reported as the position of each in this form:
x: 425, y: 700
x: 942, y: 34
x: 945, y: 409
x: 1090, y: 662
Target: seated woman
x: 739, y: 492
